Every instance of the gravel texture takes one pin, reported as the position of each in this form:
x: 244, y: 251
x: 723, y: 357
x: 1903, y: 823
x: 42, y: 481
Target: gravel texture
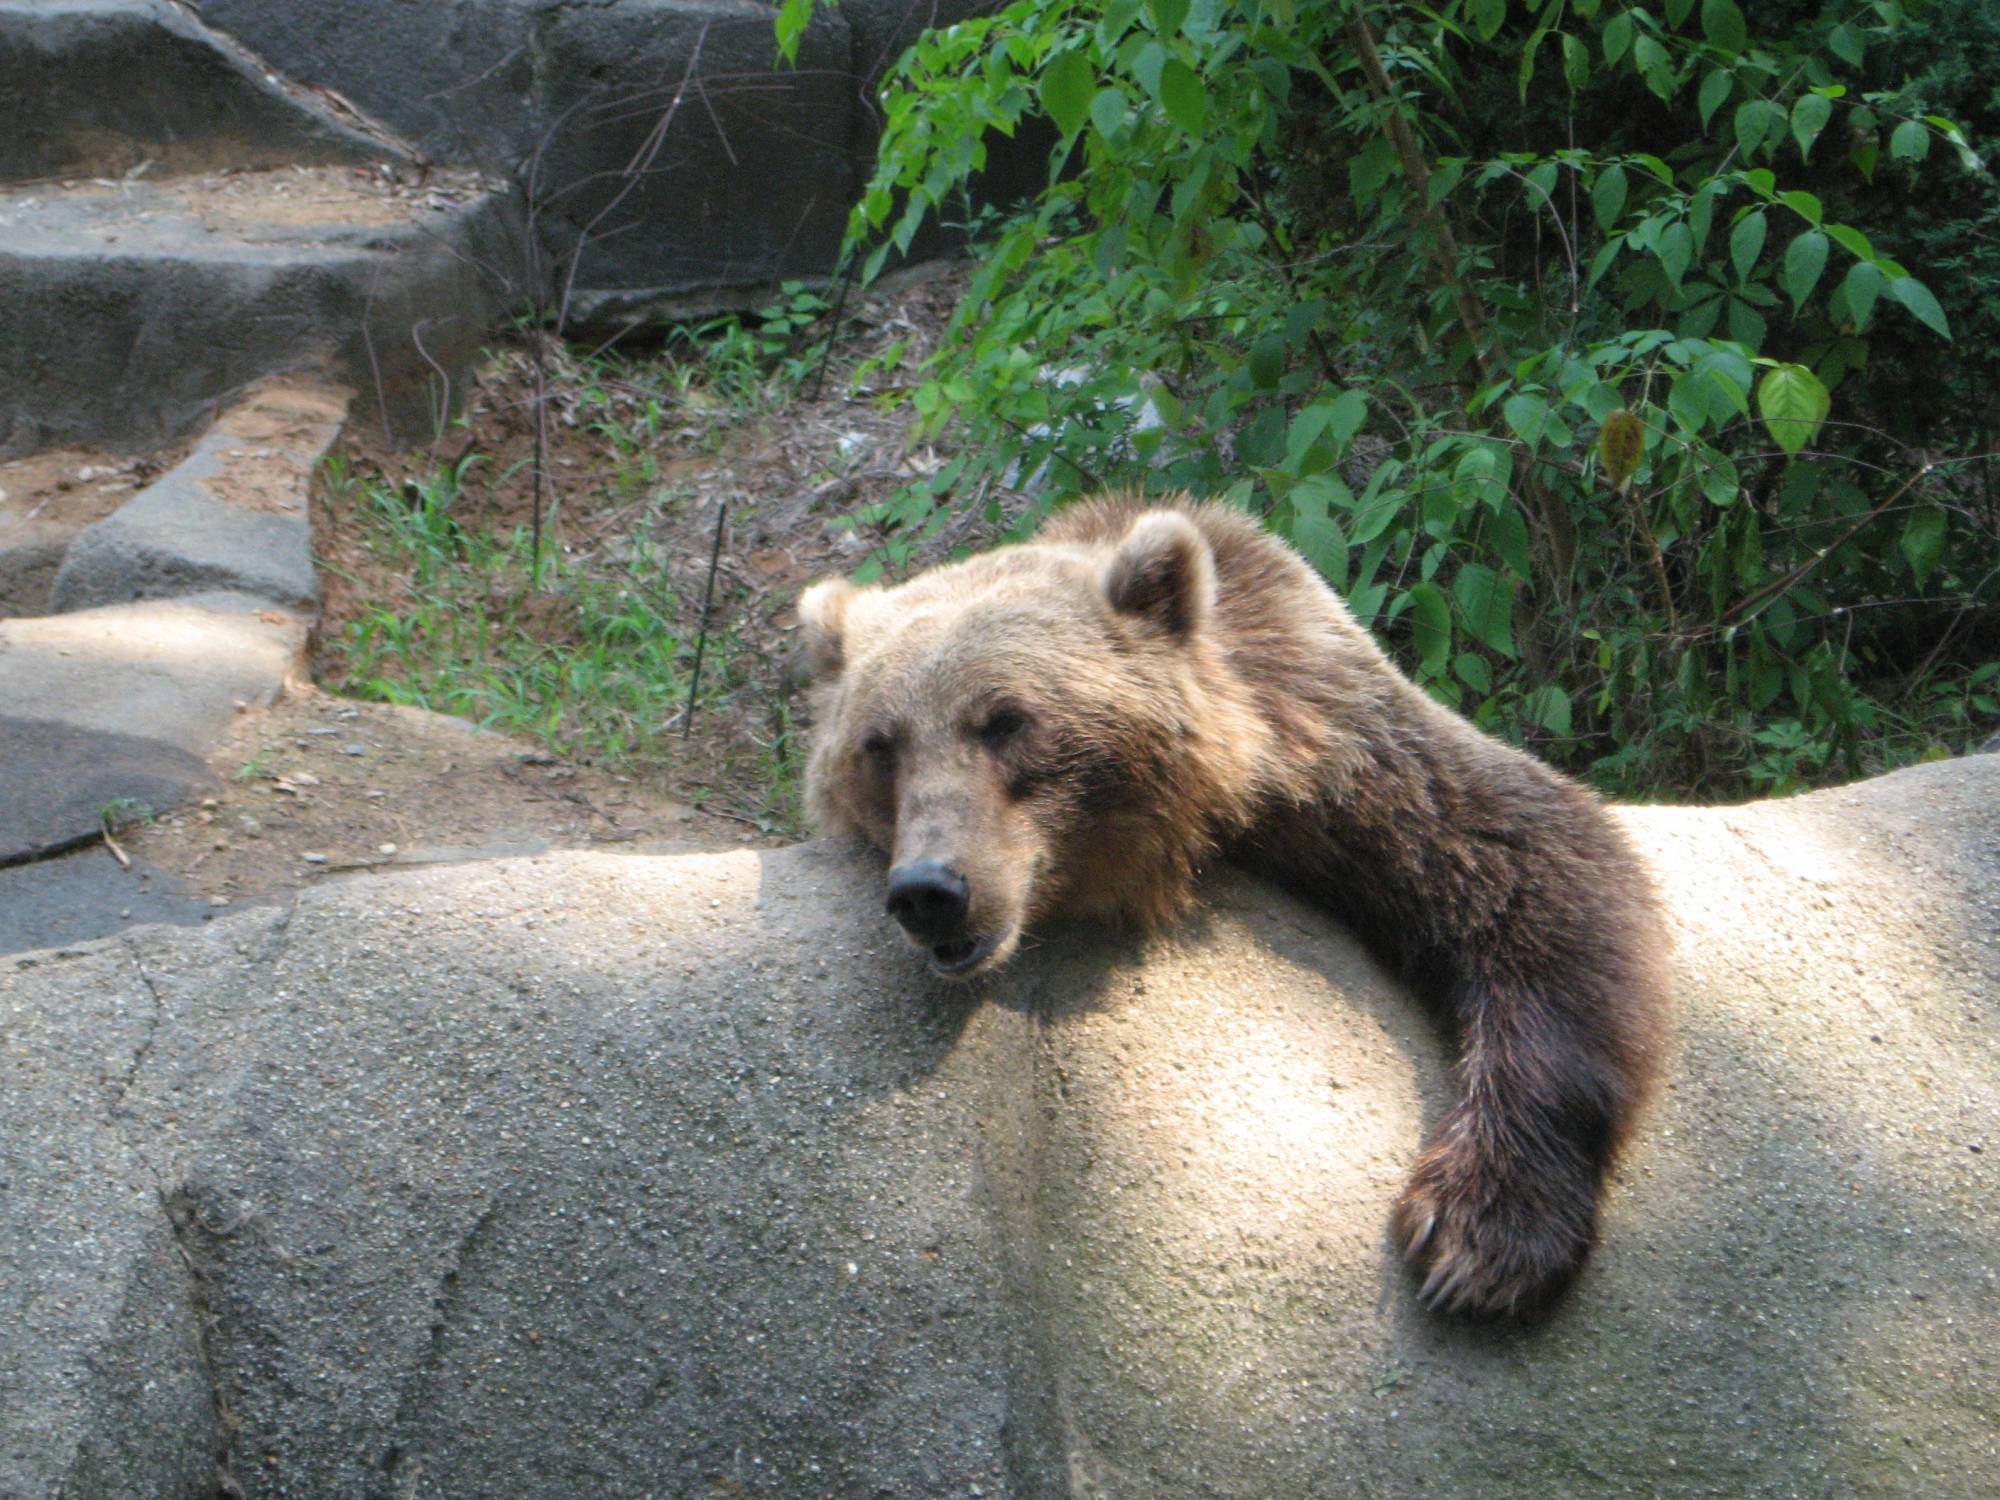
x: 628, y: 1175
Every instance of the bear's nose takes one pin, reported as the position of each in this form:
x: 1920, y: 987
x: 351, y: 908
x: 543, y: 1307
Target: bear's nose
x: 929, y: 899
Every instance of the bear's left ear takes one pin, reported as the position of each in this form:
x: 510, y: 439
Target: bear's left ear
x: 823, y: 617
x: 1163, y: 572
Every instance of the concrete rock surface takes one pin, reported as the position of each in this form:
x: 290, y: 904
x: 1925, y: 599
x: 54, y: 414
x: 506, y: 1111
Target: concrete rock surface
x: 623, y: 1175
x: 662, y: 144
x: 231, y: 516
x: 101, y: 87
x: 121, y: 704
x: 193, y: 289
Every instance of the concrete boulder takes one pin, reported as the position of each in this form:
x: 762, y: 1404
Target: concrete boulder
x: 672, y: 1175
x: 672, y: 162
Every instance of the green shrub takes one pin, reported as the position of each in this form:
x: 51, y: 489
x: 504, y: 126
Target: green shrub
x: 1600, y: 354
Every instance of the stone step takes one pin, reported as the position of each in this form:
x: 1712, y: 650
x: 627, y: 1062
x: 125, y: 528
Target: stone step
x: 188, y: 603
x: 231, y: 516
x: 115, y: 708
x: 129, y: 312
x: 662, y: 141
x: 110, y: 87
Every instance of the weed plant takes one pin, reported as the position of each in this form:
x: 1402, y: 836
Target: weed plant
x: 590, y: 661
x: 696, y: 386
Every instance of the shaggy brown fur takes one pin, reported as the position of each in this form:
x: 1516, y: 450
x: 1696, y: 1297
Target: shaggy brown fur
x: 1081, y: 723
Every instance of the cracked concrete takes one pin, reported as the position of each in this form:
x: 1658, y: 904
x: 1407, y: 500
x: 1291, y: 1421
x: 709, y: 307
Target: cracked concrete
x: 145, y: 1044
x: 179, y: 1208
x: 101, y: 1388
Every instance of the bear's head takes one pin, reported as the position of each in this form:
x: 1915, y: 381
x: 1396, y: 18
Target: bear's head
x: 1048, y: 729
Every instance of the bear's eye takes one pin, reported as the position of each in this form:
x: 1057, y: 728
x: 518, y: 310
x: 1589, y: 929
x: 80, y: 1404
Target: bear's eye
x: 1002, y: 725
x: 880, y: 749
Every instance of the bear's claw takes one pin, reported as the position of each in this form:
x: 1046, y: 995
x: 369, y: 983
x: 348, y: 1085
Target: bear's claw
x: 1490, y: 1242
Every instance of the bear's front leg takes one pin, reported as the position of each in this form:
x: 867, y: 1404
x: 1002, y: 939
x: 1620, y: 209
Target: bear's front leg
x: 1510, y: 903
x: 1501, y: 1210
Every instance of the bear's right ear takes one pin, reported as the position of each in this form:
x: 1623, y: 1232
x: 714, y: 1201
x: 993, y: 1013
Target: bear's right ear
x: 1163, y: 572
x: 823, y: 617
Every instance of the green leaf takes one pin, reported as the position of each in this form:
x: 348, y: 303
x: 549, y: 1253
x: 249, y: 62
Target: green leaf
x: 1345, y: 415
x: 1809, y: 117
x: 1804, y: 204
x: 1185, y: 100
x: 1339, y: 418
x: 1487, y: 17
x: 1722, y: 24
x: 1607, y: 196
x: 1266, y: 363
x: 1527, y: 414
x: 1430, y: 619
x: 1368, y: 169
x: 1675, y: 249
x: 1318, y: 537
x: 1923, y: 541
x: 1687, y: 401
x: 1757, y: 120
x: 1701, y: 212
x: 1617, y: 36
x: 790, y: 26
x: 1528, y: 52
x: 1805, y: 258
x: 1654, y: 165
x: 1145, y: 64
x: 1509, y: 535
x: 1793, y: 404
x: 1576, y: 62
x: 1746, y: 324
x: 1651, y: 59
x: 1715, y: 92
x: 1917, y: 297
x: 1863, y: 285
x: 1108, y: 110
x: 1066, y: 88
x: 1474, y: 671
x: 1719, y: 479
x: 1168, y: 15
x: 1846, y: 44
x: 1852, y: 240
x: 1487, y: 604
x: 1746, y: 243
x: 1549, y: 707
x: 1601, y: 262
x: 1542, y: 185
x: 1909, y: 141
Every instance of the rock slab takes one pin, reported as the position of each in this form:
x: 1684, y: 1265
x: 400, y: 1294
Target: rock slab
x: 195, y: 288
x: 100, y: 88
x: 673, y: 1175
x: 231, y: 516
x: 126, y: 701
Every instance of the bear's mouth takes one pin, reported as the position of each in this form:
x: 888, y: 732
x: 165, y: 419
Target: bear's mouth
x: 960, y: 956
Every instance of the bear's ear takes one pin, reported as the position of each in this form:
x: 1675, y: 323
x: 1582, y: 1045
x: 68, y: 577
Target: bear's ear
x: 823, y: 617
x: 1163, y: 572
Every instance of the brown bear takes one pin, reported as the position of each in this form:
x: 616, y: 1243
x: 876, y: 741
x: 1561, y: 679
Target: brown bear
x: 1080, y: 723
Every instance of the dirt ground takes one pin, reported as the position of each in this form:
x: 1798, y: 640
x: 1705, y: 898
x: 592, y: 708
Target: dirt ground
x: 321, y: 785
x: 318, y: 786
x: 46, y: 498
